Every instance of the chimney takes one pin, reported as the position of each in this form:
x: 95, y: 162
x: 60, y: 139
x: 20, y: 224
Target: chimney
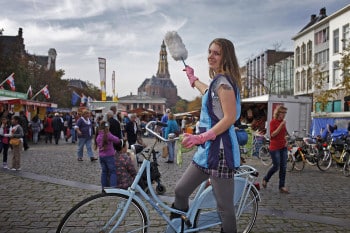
x: 20, y: 32
x: 323, y: 11
x: 313, y: 17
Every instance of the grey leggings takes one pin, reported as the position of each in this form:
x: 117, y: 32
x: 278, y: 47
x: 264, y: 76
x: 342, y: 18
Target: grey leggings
x: 192, y: 178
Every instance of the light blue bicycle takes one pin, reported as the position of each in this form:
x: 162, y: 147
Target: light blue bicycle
x: 118, y: 210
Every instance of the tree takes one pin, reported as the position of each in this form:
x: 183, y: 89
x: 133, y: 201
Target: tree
x: 322, y: 95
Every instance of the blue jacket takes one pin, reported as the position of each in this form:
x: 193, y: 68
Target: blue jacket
x: 207, y: 154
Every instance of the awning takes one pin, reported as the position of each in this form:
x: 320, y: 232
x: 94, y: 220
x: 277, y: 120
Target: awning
x: 9, y: 100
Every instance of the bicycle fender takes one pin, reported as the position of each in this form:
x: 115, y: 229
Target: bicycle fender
x: 127, y: 193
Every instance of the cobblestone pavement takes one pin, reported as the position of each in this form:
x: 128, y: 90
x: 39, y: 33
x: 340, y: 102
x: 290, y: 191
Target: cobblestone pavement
x: 52, y: 181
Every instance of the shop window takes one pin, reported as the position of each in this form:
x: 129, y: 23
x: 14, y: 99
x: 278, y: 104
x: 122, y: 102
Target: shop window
x: 337, y: 106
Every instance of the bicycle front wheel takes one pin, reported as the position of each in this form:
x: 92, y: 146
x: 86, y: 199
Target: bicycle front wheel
x: 99, y: 213
x: 346, y: 169
x: 311, y: 156
x: 290, y: 162
x: 324, y: 161
x: 264, y: 155
x: 299, y: 163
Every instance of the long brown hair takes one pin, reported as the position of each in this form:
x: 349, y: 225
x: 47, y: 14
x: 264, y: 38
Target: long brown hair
x: 229, y: 64
x: 103, y: 126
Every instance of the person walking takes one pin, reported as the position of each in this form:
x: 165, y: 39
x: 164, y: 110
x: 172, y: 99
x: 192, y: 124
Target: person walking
x: 131, y: 130
x: 83, y: 128
x: 104, y: 141
x: 57, y: 126
x: 173, y: 129
x: 71, y: 126
x: 23, y: 121
x: 217, y: 156
x: 114, y: 128
x: 164, y: 119
x: 16, y: 131
x: 126, y: 170
x: 35, y: 125
x: 4, y: 141
x: 278, y: 148
x: 183, y: 124
x: 48, y: 129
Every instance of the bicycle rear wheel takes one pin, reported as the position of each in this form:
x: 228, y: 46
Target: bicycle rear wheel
x: 324, y: 161
x: 98, y: 214
x: 264, y: 155
x: 244, y: 222
x: 299, y: 163
x: 346, y: 168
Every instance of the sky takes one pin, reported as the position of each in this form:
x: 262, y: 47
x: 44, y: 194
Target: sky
x: 129, y: 33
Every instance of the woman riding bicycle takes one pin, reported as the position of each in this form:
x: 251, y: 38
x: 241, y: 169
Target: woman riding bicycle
x: 218, y: 152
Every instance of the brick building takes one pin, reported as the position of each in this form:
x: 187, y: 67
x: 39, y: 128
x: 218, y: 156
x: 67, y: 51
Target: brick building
x: 160, y: 85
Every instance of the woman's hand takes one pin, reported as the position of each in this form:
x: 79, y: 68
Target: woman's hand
x: 190, y: 75
x: 191, y: 140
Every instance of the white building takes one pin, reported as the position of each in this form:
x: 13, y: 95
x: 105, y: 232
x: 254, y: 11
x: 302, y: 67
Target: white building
x: 319, y: 46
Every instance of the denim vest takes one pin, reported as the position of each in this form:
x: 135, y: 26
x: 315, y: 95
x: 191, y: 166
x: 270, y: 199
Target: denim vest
x: 207, y: 154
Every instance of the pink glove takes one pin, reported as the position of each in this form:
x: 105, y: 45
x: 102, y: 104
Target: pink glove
x: 190, y: 74
x: 191, y: 140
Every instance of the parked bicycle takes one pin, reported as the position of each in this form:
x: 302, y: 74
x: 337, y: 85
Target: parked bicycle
x: 296, y: 157
x: 261, y: 145
x: 338, y: 150
x: 117, y: 210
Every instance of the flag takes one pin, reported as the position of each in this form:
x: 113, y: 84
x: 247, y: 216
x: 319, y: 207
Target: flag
x: 30, y: 92
x: 102, y: 69
x: 75, y: 98
x: 45, y: 92
x: 11, y: 81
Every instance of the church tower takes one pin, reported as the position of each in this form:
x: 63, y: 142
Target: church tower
x: 160, y: 85
x: 163, y: 71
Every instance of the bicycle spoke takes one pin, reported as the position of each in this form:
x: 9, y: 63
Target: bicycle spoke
x: 101, y: 212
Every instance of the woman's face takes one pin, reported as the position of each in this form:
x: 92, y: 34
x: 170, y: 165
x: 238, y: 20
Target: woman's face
x: 215, y: 57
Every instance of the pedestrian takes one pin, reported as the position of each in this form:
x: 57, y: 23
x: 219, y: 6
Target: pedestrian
x: 183, y: 124
x: 16, y: 132
x: 131, y: 129
x: 71, y: 125
x: 104, y: 141
x: 83, y: 128
x: 126, y: 170
x: 57, y: 126
x: 173, y: 130
x: 4, y: 141
x: 217, y: 155
x: 48, y: 129
x: 197, y: 126
x: 23, y: 121
x: 114, y: 128
x: 278, y: 148
x: 35, y: 125
x: 164, y: 119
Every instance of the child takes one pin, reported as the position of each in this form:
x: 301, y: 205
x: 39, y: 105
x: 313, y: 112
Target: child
x: 104, y: 142
x: 126, y: 170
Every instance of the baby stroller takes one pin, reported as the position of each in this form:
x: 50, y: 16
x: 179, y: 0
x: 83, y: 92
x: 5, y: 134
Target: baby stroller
x: 139, y: 151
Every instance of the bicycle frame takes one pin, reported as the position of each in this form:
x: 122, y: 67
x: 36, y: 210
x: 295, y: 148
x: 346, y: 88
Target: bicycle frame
x: 204, y: 198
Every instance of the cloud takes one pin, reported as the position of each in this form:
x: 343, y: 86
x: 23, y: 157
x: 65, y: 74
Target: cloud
x: 129, y: 33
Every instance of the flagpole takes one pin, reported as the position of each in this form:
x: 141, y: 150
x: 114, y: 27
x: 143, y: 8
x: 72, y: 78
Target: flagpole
x: 38, y: 92
x: 6, y: 79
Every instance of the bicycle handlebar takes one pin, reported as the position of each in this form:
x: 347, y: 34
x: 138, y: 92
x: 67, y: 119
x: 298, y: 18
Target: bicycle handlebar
x: 158, y: 123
